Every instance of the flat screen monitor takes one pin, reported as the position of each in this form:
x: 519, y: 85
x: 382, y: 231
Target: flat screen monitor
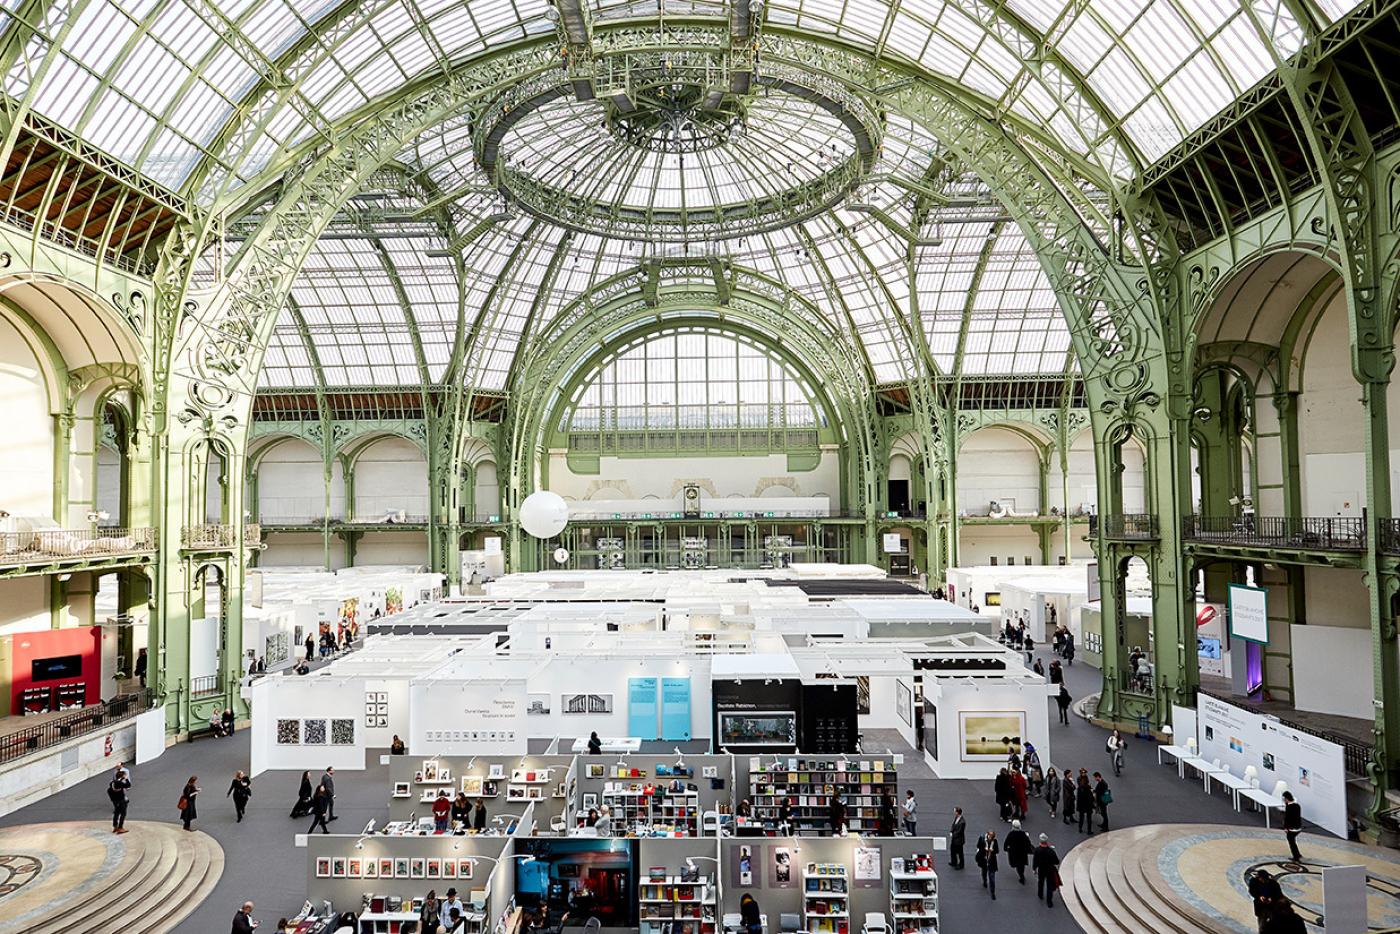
x: 55, y: 667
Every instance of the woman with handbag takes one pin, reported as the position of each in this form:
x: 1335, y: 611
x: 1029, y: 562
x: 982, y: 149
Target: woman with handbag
x: 188, y: 812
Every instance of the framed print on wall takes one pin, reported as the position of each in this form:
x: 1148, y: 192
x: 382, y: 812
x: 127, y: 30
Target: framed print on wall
x: 354, y: 868
x: 386, y: 867
x: 418, y: 868
x: 371, y: 869
x: 338, y: 867
x: 401, y: 868
x: 449, y: 869
x: 434, y: 868
x: 323, y: 867
x: 464, y: 867
x: 992, y: 735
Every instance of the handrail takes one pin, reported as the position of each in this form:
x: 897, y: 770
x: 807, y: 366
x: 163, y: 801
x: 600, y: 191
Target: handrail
x: 1327, y: 533
x: 212, y: 536
x: 54, y: 544
x: 78, y: 723
x: 1128, y: 527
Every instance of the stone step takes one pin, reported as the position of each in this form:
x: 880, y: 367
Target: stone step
x: 1124, y: 913
x: 1125, y: 875
x: 190, y: 871
x: 134, y: 897
x: 199, y: 881
x: 1076, y: 890
x: 142, y: 858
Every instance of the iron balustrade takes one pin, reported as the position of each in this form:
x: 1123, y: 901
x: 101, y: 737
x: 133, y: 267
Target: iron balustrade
x: 1389, y: 530
x: 204, y: 685
x: 1326, y: 533
x: 1356, y: 756
x: 216, y: 536
x: 1125, y: 527
x: 78, y: 723
x: 60, y: 544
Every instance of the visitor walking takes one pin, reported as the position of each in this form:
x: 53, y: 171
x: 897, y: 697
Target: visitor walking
x: 1052, y: 790
x: 1063, y: 699
x: 1001, y: 791
x: 1084, y: 803
x: 1103, y: 797
x: 1068, y: 794
x: 303, y: 805
x: 243, y: 922
x: 1292, y: 824
x: 1035, y: 775
x: 1114, y: 747
x: 328, y: 783
x: 888, y: 814
x: 1018, y: 850
x: 1030, y: 649
x: 1038, y: 668
x: 141, y: 663
x: 1046, y: 863
x: 430, y: 915
x: 957, y: 839
x: 1019, y: 794
x: 240, y: 790
x: 320, y: 804
x: 1056, y: 673
x: 911, y: 813
x: 1069, y: 649
x: 188, y: 812
x: 116, y: 793
x: 986, y: 859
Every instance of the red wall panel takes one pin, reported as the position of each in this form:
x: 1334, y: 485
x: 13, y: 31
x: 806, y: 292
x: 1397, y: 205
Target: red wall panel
x: 47, y: 643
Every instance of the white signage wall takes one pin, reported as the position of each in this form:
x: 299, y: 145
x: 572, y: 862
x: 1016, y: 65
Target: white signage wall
x: 458, y: 718
x: 1311, y: 767
x: 1249, y: 613
x: 974, y: 719
x: 307, y: 723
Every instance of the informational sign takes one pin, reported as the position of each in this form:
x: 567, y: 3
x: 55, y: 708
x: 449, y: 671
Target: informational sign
x: 492, y: 544
x: 1309, y: 766
x: 894, y: 544
x: 675, y: 708
x: 641, y: 708
x: 486, y: 717
x: 1249, y: 613
x: 1210, y: 638
x: 1092, y: 582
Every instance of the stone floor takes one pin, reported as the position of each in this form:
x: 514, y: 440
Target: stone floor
x: 262, y: 863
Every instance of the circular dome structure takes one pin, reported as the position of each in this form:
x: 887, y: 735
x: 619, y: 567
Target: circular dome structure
x: 672, y: 159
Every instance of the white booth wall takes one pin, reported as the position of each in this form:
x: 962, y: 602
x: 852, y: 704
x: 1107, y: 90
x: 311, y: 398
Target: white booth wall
x: 595, y: 675
x: 1325, y: 660
x: 451, y: 717
x: 953, y: 697
x: 314, y: 697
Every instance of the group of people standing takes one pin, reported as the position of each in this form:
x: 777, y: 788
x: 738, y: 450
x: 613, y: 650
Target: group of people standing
x: 1078, y: 798
x: 458, y: 813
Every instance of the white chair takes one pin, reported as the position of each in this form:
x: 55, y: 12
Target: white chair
x: 875, y: 923
x: 557, y: 824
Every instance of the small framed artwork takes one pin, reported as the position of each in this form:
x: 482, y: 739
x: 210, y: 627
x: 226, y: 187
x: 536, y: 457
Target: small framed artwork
x: 430, y: 770
x: 534, y: 792
x: 386, y: 867
x: 354, y: 868
x: 709, y: 771
x: 464, y: 868
x: 323, y: 867
x: 515, y: 793
x: 559, y: 791
x: 434, y: 868
x: 418, y: 868
x: 449, y: 869
x: 471, y: 786
x: 590, y: 800
x: 371, y: 869
x: 401, y: 790
x: 497, y: 770
x: 418, y: 776
x: 338, y: 867
x: 595, y: 770
x: 401, y: 868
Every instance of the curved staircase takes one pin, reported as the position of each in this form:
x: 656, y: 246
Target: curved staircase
x: 146, y: 880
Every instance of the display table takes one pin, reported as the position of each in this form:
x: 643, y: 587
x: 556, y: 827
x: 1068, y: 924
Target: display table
x: 620, y: 744
x: 387, y: 922
x: 1175, y: 753
x: 1233, y: 784
x: 1265, y: 800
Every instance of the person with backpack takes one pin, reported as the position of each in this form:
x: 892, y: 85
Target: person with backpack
x: 116, y: 793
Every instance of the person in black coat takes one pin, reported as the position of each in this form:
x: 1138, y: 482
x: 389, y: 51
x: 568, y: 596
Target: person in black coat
x: 188, y: 811
x: 1264, y: 889
x: 303, y: 805
x: 1292, y: 824
x: 328, y: 783
x: 461, y: 811
x: 838, y: 814
x: 320, y: 804
x: 1084, y: 804
x: 243, y: 922
x: 1001, y: 789
x: 141, y: 663
x: 228, y: 721
x: 1063, y: 699
x: 116, y: 793
x: 1018, y: 850
x: 479, y: 815
x: 1102, y: 797
x: 1282, y: 919
x: 1046, y: 863
x: 595, y: 745
x: 240, y: 790
x: 310, y: 648
x: 957, y: 839
x: 1067, y: 796
x: 986, y: 859
x: 749, y: 914
x: 786, y: 825
x: 888, y: 814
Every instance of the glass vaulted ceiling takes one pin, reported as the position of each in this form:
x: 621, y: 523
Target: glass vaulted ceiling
x: 154, y: 82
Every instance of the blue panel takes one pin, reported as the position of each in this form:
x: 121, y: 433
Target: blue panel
x: 641, y: 708
x: 675, y: 708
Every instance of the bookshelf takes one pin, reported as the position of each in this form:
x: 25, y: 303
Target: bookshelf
x: 810, y: 783
x: 676, y: 905
x: 378, y: 919
x: 826, y: 899
x: 914, y: 895
x: 653, y: 807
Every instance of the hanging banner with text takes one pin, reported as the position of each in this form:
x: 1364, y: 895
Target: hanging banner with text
x: 641, y: 708
x: 1249, y: 613
x: 675, y: 708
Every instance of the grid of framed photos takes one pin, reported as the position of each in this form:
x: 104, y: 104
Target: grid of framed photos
x: 399, y: 867
x: 313, y: 731
x: 377, y: 709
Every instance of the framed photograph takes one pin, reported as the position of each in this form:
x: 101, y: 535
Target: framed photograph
x: 590, y: 800
x: 434, y: 868
x: 709, y: 771
x: 430, y: 770
x: 471, y: 786
x: 781, y: 874
x: 323, y: 867
x: 449, y: 868
x: 534, y: 792
x: 496, y: 770
x: 418, y: 868
x: 338, y: 867
x: 288, y: 732
x: 759, y: 728
x: 904, y: 702
x: 401, y: 868
x: 515, y: 793
x: 596, y: 770
x: 743, y: 865
x: 867, y: 869
x: 537, y: 705
x: 464, y: 868
x: 313, y: 732
x: 587, y: 703
x: 354, y: 868
x: 991, y: 736
x: 401, y: 790
x: 371, y: 868
x: 386, y: 867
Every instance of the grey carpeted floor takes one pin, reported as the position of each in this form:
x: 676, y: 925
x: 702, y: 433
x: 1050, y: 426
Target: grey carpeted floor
x: 263, y: 864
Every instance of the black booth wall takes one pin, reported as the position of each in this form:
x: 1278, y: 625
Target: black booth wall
x: 756, y: 696
x: 827, y: 720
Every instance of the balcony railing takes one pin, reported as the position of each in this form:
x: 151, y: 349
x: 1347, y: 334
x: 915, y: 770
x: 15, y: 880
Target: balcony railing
x: 211, y: 537
x: 60, y: 544
x: 1126, y: 527
x: 204, y: 685
x: 1325, y: 533
x: 1389, y: 536
x: 61, y: 729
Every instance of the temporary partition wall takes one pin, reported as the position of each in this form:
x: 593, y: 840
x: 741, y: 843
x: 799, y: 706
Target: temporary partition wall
x: 971, y: 725
x: 457, y: 717
x: 332, y: 857
x: 307, y: 723
x: 712, y: 776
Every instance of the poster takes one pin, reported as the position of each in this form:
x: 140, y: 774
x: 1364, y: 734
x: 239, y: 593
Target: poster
x: 675, y: 708
x: 991, y: 736
x: 931, y: 723
x: 587, y: 703
x: 743, y: 865
x: 780, y: 876
x: 904, y: 702
x: 641, y: 708
x: 1249, y: 613
x: 867, y: 872
x: 894, y: 544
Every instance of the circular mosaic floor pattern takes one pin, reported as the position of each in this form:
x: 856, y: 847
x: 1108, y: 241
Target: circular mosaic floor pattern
x: 143, y: 880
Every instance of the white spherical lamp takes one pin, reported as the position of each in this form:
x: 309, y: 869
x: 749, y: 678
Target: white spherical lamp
x: 544, y: 514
